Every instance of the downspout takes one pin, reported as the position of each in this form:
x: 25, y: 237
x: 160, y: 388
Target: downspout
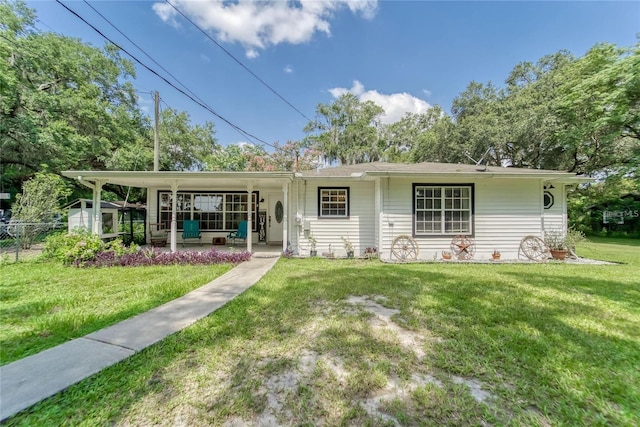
x: 541, y: 202
x: 377, y: 240
x: 565, y: 213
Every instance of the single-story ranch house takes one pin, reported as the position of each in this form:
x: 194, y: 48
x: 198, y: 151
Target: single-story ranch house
x: 370, y: 204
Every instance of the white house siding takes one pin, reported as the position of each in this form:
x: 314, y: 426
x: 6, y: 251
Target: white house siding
x: 505, y: 210
x: 555, y: 217
x: 360, y: 227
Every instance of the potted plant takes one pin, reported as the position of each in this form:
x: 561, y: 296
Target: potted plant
x: 329, y: 254
x: 446, y: 254
x: 348, y: 246
x: 312, y: 245
x: 496, y: 254
x: 556, y: 241
x: 371, y: 252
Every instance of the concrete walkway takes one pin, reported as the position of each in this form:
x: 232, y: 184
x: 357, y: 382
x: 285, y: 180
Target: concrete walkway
x: 34, y: 378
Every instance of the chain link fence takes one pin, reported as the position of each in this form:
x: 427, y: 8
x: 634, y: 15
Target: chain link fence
x: 25, y: 240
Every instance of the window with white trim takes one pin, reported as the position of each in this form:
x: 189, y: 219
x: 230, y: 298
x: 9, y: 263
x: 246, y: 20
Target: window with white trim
x: 218, y: 211
x: 333, y: 202
x: 443, y: 209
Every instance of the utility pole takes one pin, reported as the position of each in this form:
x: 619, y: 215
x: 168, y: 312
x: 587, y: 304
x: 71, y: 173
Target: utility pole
x: 156, y: 137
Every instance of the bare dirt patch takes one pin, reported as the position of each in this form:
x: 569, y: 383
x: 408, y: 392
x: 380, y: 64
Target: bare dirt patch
x: 326, y: 372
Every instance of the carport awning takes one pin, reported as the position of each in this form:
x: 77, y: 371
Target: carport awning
x: 193, y: 180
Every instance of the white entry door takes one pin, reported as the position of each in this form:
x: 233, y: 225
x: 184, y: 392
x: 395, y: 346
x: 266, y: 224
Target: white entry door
x: 275, y: 218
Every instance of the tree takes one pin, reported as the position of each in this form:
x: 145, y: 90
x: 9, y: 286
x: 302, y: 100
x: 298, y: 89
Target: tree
x: 236, y: 158
x: 184, y: 146
x: 294, y: 156
x: 60, y: 99
x: 436, y: 144
x: 348, y: 130
x: 599, y: 105
x: 39, y: 203
x: 411, y: 137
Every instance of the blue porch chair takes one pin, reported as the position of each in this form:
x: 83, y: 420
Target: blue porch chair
x: 191, y: 230
x: 240, y: 233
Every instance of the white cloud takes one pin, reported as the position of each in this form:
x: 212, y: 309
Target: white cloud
x: 395, y: 105
x: 260, y: 24
x: 145, y: 103
x: 427, y: 92
x: 288, y: 69
x: 166, y: 13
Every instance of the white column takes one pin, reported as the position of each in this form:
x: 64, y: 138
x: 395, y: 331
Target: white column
x: 249, y: 222
x: 97, y: 211
x: 174, y: 220
x: 285, y: 220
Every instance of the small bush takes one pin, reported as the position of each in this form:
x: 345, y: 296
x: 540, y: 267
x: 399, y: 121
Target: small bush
x: 154, y: 256
x: 78, y: 246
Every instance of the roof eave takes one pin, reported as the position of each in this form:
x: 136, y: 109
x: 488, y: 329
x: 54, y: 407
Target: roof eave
x: 175, y: 174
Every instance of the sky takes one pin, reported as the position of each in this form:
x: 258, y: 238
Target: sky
x: 406, y: 56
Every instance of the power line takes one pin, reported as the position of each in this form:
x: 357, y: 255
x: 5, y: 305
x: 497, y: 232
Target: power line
x: 201, y: 104
x: 143, y: 51
x: 237, y: 60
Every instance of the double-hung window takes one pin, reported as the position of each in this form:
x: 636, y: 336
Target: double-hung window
x: 333, y: 202
x: 443, y: 209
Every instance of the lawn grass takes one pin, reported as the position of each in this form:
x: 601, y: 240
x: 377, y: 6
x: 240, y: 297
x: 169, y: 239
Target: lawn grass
x: 509, y: 344
x: 43, y: 304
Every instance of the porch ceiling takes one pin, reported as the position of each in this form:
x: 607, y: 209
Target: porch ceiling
x: 191, y: 180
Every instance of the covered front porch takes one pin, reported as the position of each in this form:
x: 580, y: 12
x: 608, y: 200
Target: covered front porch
x: 216, y: 202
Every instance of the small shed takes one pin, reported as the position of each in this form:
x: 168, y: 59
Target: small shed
x: 81, y: 215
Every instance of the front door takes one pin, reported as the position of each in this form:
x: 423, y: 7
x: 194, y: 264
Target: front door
x: 275, y: 218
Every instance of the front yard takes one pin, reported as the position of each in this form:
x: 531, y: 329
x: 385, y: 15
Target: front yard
x: 43, y: 304
x: 353, y: 342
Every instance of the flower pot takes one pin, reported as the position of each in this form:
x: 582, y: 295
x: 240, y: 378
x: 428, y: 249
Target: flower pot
x: 313, y: 252
x: 446, y: 256
x: 559, y: 254
x: 495, y: 257
x: 349, y: 254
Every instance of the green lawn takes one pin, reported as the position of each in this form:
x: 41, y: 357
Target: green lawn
x: 43, y: 304
x: 451, y: 344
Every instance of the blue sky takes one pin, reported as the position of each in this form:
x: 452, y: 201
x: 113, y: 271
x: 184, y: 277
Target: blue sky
x: 404, y: 55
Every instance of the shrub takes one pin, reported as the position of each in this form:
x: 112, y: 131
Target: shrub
x: 78, y: 246
x: 154, y: 256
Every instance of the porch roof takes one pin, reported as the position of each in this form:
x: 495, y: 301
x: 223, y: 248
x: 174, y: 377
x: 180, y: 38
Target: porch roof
x: 194, y: 180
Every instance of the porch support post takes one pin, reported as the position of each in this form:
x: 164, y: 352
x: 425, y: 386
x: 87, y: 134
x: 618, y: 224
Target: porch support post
x: 285, y: 220
x: 97, y: 211
x: 174, y: 220
x: 249, y: 211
